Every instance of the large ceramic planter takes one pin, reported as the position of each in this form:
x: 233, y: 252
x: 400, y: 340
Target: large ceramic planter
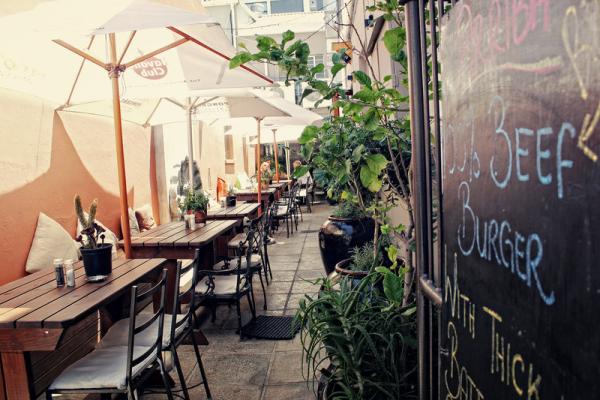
x: 338, y: 236
x: 97, y: 262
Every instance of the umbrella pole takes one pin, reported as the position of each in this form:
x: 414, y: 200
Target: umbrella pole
x: 190, y: 143
x: 257, y: 157
x: 114, y: 77
x: 275, y: 155
x: 287, y: 158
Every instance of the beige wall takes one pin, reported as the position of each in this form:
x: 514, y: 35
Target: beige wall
x: 46, y: 158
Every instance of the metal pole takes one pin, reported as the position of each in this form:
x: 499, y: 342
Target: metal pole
x: 257, y: 157
x: 188, y: 110
x: 287, y: 158
x: 275, y: 155
x: 114, y: 77
x: 419, y: 157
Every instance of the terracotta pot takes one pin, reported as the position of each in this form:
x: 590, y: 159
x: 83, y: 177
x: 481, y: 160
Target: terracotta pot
x: 264, y: 185
x: 338, y: 236
x: 200, y: 217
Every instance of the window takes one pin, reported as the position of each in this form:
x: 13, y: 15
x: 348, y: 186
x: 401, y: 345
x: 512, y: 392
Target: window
x: 259, y: 7
x: 314, y: 60
x: 316, y: 5
x: 286, y: 6
x: 229, y: 154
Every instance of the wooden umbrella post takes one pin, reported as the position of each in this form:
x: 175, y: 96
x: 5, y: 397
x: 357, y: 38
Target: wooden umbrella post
x: 190, y: 143
x: 114, y: 77
x: 257, y: 157
x: 275, y: 155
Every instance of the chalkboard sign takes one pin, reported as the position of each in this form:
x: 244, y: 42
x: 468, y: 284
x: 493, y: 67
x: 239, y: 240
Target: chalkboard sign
x: 521, y: 199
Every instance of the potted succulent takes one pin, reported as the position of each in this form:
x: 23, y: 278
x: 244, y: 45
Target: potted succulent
x: 97, y: 255
x: 196, y: 203
x: 348, y: 227
x: 230, y: 200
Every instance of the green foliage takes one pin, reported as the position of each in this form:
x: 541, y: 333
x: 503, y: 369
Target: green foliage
x: 194, y: 201
x: 366, y: 337
x: 364, y: 258
x: 347, y: 209
x: 92, y: 234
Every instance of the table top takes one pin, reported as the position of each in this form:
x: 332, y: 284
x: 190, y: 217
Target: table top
x: 254, y: 192
x: 35, y: 302
x: 240, y: 210
x: 282, y: 184
x: 174, y: 234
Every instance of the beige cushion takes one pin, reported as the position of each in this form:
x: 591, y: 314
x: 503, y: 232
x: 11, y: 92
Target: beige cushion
x: 145, y: 218
x: 102, y: 368
x: 117, y: 335
x: 109, y: 236
x: 224, y: 285
x: 133, y: 224
x: 235, y: 242
x: 50, y: 241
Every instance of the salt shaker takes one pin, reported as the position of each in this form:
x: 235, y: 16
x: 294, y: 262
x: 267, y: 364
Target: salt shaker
x: 59, y: 271
x: 70, y: 273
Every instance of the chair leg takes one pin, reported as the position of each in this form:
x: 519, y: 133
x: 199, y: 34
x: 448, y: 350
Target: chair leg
x: 213, y: 311
x: 267, y: 264
x: 287, y: 226
x: 163, y: 374
x: 201, y: 367
x: 239, y: 318
x: 182, y: 382
x: 48, y: 395
x: 252, y: 304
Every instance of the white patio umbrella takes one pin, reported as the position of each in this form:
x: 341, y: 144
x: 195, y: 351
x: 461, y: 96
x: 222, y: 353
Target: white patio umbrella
x: 103, y: 33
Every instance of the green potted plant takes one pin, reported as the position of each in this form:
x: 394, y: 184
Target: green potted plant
x: 196, y: 203
x: 359, y: 338
x: 96, y: 255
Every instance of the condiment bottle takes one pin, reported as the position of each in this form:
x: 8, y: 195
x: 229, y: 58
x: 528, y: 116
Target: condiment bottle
x: 70, y: 273
x: 59, y: 271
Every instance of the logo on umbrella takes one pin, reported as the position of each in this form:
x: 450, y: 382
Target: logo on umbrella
x: 152, y: 68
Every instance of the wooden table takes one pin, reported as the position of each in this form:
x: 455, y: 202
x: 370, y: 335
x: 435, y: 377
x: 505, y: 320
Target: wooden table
x: 173, y: 241
x: 280, y: 186
x: 239, y: 211
x: 43, y: 329
x: 267, y: 196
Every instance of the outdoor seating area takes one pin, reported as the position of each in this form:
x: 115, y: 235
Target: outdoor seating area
x: 299, y: 200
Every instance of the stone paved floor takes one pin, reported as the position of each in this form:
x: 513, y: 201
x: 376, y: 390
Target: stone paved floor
x: 260, y: 369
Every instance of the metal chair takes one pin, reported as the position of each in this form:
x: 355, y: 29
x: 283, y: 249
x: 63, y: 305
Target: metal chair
x: 122, y: 369
x: 230, y: 285
x: 287, y: 210
x: 177, y: 328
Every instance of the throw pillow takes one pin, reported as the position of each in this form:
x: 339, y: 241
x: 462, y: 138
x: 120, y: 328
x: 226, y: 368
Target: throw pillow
x: 133, y: 224
x: 50, y: 241
x: 144, y: 218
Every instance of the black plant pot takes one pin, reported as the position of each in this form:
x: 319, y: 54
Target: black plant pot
x: 230, y: 201
x: 97, y: 262
x: 338, y: 236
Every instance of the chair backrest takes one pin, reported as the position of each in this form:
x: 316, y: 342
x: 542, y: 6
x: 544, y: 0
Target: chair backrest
x: 178, y: 319
x: 152, y: 326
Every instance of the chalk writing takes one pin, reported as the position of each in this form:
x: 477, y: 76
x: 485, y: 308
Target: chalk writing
x: 464, y: 386
x: 492, y: 238
x: 453, y: 294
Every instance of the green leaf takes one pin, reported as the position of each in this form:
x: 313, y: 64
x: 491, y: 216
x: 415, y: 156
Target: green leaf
x: 286, y: 37
x: 264, y: 43
x: 336, y: 68
x: 300, y: 171
x: 239, y: 59
x: 409, y: 312
x: 392, y: 253
x: 369, y: 179
x: 308, y: 134
x: 371, y: 119
x: 395, y: 41
x: 376, y: 163
x: 317, y: 68
x: 362, y: 78
x: 366, y: 94
x: 358, y: 152
x: 393, y: 287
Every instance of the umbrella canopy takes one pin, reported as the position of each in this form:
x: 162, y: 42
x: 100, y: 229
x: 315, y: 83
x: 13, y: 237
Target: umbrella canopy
x: 146, y: 46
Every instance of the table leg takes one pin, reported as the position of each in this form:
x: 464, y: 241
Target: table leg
x: 16, y: 378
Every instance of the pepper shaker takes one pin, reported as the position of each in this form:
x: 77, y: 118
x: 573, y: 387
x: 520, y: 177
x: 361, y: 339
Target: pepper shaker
x: 59, y: 271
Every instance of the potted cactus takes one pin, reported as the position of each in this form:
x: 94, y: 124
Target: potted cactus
x: 196, y: 203
x: 97, y: 255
